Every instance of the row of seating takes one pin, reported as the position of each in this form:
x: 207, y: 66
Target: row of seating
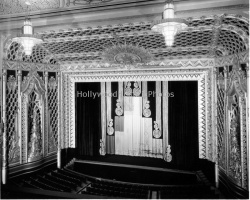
x: 66, y: 180
x: 115, y: 193
x: 58, y: 180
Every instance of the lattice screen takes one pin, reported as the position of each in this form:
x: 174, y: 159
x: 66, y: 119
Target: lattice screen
x: 11, y: 108
x: 53, y: 114
x: 236, y: 22
x: 231, y: 41
x: 220, y: 126
x: 12, y: 51
x: 37, y: 56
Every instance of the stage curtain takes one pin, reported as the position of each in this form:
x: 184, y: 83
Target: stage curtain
x: 88, y: 119
x: 183, y: 123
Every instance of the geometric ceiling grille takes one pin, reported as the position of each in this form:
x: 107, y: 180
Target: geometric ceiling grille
x: 37, y: 56
x: 13, y: 50
x: 238, y: 23
x: 201, y: 22
x: 231, y: 41
x: 157, y: 56
x: 182, y: 53
x: 98, y: 31
x: 212, y: 36
x: 196, y: 38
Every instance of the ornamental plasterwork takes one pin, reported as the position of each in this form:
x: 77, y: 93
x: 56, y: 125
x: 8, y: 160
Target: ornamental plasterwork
x: 237, y: 85
x: 14, y: 65
x: 19, y: 6
x: 204, y: 94
x: 85, y: 2
x: 193, y: 63
x: 206, y: 37
x: 33, y: 82
x: 126, y: 54
x: 228, y: 60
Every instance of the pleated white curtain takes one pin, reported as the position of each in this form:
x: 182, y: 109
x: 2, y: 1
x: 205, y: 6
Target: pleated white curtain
x: 135, y: 138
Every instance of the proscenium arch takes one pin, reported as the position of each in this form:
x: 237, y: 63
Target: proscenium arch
x: 202, y: 76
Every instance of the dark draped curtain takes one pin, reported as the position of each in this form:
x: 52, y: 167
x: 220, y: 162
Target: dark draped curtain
x: 183, y: 124
x: 88, y: 119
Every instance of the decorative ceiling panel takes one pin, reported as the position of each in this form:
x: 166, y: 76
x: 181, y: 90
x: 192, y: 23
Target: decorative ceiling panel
x: 231, y: 41
x: 19, y: 6
x: 211, y: 36
x: 237, y: 22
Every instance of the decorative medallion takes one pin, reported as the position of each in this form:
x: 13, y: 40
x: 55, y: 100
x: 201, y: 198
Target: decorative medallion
x: 126, y: 54
x: 156, y: 132
x: 128, y: 90
x: 118, y: 110
x: 146, y: 110
x: 168, y: 156
x: 110, y: 127
x: 102, y: 147
x: 137, y: 89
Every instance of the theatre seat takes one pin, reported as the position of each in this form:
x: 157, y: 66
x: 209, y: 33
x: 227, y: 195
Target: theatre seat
x: 69, y: 181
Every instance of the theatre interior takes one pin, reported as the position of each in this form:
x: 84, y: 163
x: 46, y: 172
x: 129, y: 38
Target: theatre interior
x: 124, y: 99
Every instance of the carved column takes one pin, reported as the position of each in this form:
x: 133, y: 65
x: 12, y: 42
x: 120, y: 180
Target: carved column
x: 214, y: 124
x: 59, y: 162
x: 1, y: 108
x: 247, y: 116
x: 47, y: 117
x: 19, y: 83
x: 4, y: 159
x: 247, y: 119
x: 226, y: 117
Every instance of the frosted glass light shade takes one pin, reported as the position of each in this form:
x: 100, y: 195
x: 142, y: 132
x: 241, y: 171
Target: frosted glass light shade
x: 27, y: 39
x: 169, y: 26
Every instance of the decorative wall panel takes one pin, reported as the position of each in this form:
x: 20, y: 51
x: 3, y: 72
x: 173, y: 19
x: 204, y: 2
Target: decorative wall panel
x: 221, y: 121
x: 53, y: 114
x: 25, y: 111
x: 33, y: 100
x: 232, y: 124
x: 12, y: 123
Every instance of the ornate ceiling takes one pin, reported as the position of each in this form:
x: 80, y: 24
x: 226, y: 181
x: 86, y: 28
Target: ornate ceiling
x: 205, y: 37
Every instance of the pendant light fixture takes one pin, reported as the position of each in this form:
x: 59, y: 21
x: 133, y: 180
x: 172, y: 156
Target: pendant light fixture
x: 169, y: 26
x: 27, y: 38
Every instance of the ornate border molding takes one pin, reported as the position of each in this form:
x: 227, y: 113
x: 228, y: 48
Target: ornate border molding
x: 243, y: 57
x: 204, y: 97
x: 169, y: 64
x: 17, y: 65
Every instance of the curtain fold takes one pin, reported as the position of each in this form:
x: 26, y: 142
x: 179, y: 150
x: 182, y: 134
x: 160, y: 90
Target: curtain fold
x: 183, y: 123
x: 88, y: 119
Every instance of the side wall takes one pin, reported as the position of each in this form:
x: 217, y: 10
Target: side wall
x: 232, y: 96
